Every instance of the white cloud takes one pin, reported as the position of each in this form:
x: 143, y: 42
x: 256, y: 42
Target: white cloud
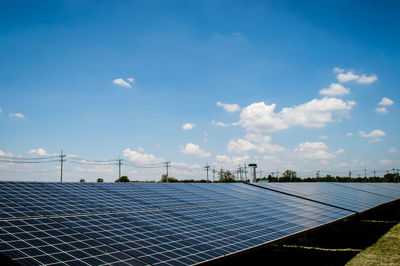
x: 254, y: 142
x: 393, y: 150
x: 17, y: 115
x: 374, y: 135
x: 219, y: 124
x: 195, y: 150
x: 338, y: 70
x: 238, y: 34
x: 385, y: 162
x: 131, y: 80
x: 231, y: 162
x: 386, y: 102
x: 188, y: 126
x: 323, y: 137
x: 349, y: 134
x: 38, y: 151
x: 381, y: 110
x: 205, y: 139
x: 9, y: 154
x: 350, y: 76
x: 141, y: 158
x: 229, y: 107
x: 122, y: 82
x: 316, y: 113
x: 140, y: 149
x: 334, y: 89
x: 313, y: 151
x: 342, y: 165
x: 339, y: 151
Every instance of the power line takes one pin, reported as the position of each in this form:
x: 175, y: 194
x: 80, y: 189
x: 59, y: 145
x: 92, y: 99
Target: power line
x: 12, y: 161
x: 26, y: 158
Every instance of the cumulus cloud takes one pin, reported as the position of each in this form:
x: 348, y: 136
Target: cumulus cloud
x: 393, y: 150
x: 229, y: 107
x: 385, y: 162
x: 334, y: 89
x: 219, y: 124
x: 343, y: 76
x: 316, y: 113
x: 381, y: 110
x: 339, y: 151
x: 342, y: 164
x: 9, y: 154
x: 349, y: 134
x: 383, y: 103
x: 231, y: 162
x: 38, y: 151
x: 17, y: 115
x: 386, y: 102
x: 195, y: 150
x: 123, y: 83
x: 313, y: 151
x: 254, y: 142
x: 188, y: 126
x: 141, y: 158
x: 374, y: 135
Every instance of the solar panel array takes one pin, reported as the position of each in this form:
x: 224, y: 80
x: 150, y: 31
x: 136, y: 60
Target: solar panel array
x: 356, y: 197
x: 165, y: 223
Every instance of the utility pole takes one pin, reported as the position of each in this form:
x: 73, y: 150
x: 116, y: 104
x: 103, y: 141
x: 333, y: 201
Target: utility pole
x: 207, y: 167
x: 167, y: 166
x: 245, y: 172
x: 374, y: 173
x: 318, y: 173
x: 214, y: 171
x: 62, y: 160
x: 350, y: 173
x: 221, y: 172
x: 119, y: 167
x: 277, y: 174
x: 365, y: 172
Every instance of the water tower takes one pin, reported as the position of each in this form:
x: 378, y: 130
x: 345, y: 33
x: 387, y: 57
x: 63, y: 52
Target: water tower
x: 253, y: 175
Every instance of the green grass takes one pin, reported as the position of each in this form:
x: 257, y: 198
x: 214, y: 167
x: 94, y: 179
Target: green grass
x: 386, y: 251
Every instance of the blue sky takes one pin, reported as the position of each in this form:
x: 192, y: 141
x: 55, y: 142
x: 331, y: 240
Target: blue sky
x: 289, y: 85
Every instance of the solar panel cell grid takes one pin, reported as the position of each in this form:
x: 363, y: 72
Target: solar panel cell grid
x: 344, y: 197
x: 25, y: 247
x: 159, y: 224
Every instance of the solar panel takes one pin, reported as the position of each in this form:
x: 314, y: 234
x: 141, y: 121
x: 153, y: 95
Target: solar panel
x: 329, y: 193
x: 45, y: 241
x: 46, y: 200
x: 391, y: 190
x: 160, y: 224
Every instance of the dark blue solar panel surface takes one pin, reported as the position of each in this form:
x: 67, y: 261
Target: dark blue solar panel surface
x: 161, y: 224
x: 338, y: 195
x: 391, y: 190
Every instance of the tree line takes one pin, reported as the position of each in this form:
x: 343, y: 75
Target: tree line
x: 287, y: 176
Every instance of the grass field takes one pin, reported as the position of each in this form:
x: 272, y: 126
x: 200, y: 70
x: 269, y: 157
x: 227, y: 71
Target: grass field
x: 386, y: 251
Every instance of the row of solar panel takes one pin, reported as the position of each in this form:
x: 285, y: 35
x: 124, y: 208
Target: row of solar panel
x: 165, y: 224
x: 49, y: 199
